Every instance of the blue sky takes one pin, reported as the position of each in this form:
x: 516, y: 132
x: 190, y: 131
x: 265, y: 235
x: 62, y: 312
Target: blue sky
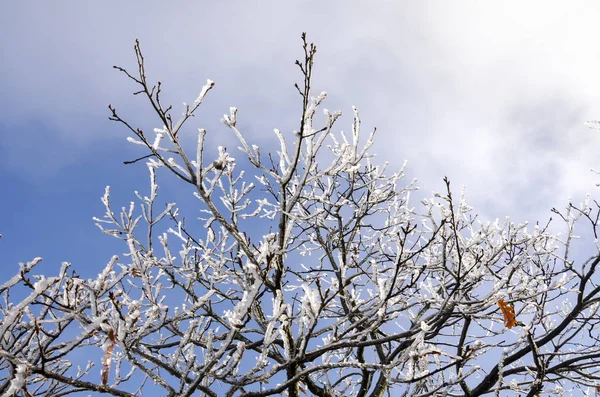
x: 493, y: 96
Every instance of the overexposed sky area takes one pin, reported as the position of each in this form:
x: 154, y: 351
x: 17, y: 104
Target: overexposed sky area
x: 492, y: 94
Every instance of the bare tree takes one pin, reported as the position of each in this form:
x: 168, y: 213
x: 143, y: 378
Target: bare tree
x: 312, y: 273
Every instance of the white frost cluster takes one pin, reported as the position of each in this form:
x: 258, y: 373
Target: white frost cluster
x: 310, y: 305
x: 18, y: 382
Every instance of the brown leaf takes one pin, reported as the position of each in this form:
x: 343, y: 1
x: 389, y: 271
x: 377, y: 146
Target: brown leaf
x: 508, y: 311
x: 109, y: 346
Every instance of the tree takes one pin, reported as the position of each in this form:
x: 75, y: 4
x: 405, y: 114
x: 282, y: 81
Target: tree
x: 313, y: 273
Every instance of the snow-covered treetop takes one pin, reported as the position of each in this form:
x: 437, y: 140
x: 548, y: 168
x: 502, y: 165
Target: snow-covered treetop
x: 313, y: 270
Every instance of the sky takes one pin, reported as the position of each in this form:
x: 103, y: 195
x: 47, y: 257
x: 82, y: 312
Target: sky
x: 492, y: 95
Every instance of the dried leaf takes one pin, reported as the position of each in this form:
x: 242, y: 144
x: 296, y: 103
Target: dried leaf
x: 301, y: 387
x: 508, y: 311
x: 109, y: 346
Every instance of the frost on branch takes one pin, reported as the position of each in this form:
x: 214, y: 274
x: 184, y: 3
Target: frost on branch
x: 306, y: 267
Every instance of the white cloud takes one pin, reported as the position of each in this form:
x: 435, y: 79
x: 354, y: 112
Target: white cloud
x: 494, y: 95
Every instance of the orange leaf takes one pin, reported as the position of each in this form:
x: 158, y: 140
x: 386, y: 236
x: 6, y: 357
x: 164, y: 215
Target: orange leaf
x: 508, y: 311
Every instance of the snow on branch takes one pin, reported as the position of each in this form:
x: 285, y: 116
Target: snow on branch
x: 305, y: 267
